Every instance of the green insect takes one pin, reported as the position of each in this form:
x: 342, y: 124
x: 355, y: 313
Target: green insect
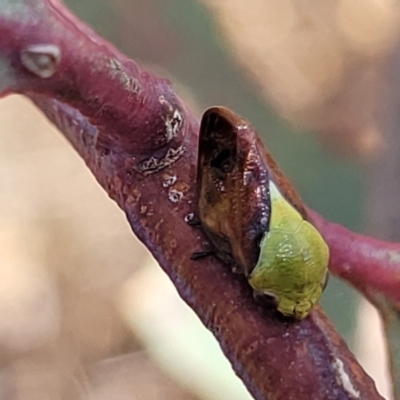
x: 263, y: 233
x: 293, y: 260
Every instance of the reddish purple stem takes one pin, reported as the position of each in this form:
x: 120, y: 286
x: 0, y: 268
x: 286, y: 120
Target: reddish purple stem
x: 370, y: 265
x: 141, y: 144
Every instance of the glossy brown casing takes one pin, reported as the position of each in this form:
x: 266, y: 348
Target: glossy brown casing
x: 233, y: 173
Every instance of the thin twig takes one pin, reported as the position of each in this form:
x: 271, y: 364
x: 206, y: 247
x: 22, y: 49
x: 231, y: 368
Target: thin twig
x: 140, y: 142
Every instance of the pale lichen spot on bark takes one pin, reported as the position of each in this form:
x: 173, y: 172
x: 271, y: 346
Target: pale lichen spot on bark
x: 175, y: 196
x: 188, y: 217
x: 153, y: 164
x: 41, y: 59
x: 173, y: 124
x: 345, y: 379
x: 169, y: 180
x: 178, y: 191
x: 118, y: 71
x: 173, y: 119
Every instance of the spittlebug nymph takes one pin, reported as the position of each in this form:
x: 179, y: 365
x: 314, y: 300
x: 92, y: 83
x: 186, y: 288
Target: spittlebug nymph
x: 254, y: 218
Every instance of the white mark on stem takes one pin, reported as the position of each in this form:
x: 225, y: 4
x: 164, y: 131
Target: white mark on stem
x: 153, y: 164
x: 345, y: 379
x: 169, y: 181
x: 41, y: 59
x: 175, y: 196
x: 173, y: 124
x: 189, y: 217
x: 173, y: 119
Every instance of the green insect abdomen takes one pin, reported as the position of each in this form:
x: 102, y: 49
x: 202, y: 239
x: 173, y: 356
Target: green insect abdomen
x: 293, y: 260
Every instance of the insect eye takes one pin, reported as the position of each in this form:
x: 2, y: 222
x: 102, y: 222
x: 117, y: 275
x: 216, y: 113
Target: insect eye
x: 223, y: 161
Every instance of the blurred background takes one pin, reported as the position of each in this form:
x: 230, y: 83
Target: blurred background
x: 86, y: 312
